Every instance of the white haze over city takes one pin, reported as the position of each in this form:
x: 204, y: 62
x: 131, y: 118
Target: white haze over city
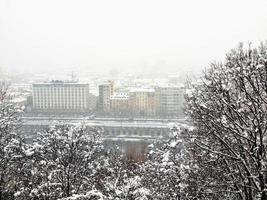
x: 51, y: 35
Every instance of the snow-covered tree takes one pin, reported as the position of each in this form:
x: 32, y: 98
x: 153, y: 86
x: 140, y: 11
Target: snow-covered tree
x: 91, y: 195
x: 166, y: 173
x: 121, y: 179
x: 11, y: 147
x: 228, y: 108
x: 66, y: 160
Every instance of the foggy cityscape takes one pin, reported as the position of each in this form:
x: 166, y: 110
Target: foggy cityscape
x: 133, y: 100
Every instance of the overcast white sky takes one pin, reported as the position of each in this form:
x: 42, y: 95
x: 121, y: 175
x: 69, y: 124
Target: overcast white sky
x: 105, y: 34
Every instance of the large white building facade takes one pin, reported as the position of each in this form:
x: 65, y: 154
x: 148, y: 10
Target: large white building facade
x: 59, y: 96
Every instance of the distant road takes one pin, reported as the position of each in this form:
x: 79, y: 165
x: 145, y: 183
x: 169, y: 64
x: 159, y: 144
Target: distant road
x: 103, y: 119
x: 100, y: 123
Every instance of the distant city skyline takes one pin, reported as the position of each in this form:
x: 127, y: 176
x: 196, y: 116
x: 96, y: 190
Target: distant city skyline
x: 43, y: 36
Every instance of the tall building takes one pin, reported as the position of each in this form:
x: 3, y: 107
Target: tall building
x: 61, y: 97
x: 92, y: 102
x: 142, y: 102
x: 169, y: 101
x: 105, y: 92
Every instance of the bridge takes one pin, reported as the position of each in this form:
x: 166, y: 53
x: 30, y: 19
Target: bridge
x: 114, y: 128
x: 127, y: 134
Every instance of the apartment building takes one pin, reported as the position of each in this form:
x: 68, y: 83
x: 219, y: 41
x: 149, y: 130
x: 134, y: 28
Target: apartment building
x: 169, y: 100
x: 119, y: 103
x: 142, y: 101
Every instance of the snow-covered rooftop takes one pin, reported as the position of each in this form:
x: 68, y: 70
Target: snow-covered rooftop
x: 170, y: 85
x: 142, y: 90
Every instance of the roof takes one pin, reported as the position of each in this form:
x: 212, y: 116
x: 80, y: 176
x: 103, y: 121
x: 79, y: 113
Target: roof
x: 60, y: 83
x: 168, y: 85
x: 142, y: 90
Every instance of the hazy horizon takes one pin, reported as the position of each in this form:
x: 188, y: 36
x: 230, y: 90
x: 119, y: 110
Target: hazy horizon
x: 44, y: 36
